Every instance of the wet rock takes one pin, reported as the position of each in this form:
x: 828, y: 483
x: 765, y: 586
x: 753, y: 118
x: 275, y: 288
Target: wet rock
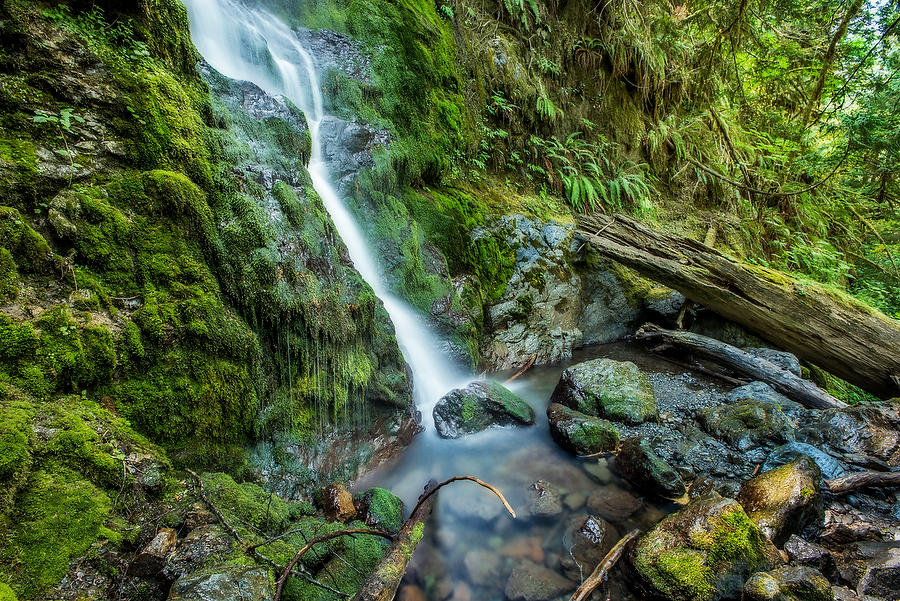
x: 842, y: 593
x: 763, y: 393
x: 411, y: 592
x: 523, y: 547
x: 224, y: 582
x: 380, y: 508
x: 844, y: 525
x: 579, y: 433
x: 544, y: 500
x: 606, y: 388
x: 532, y: 582
x: 828, y: 465
x: 152, y: 559
x: 574, y: 500
x: 479, y: 406
x: 338, y: 503
x: 873, y: 569
x: 201, y: 546
x: 868, y: 429
x: 598, y: 470
x: 461, y: 592
x: 586, y: 542
x: 803, y: 552
x: 461, y: 503
x: 198, y: 516
x: 613, y: 503
x: 665, y: 303
x: 782, y: 359
x: 704, y: 552
x: 788, y: 583
x: 784, y: 500
x: 637, y: 463
x: 748, y: 423
x: 482, y: 567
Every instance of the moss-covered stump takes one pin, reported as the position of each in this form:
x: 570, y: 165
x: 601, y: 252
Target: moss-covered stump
x: 704, y: 552
x: 788, y: 583
x: 479, y: 406
x: 784, y: 500
x: 646, y: 470
x: 615, y: 390
x: 579, y: 433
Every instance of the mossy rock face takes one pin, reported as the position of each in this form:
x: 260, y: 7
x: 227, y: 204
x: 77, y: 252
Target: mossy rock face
x: 748, y: 423
x: 637, y: 462
x: 789, y: 583
x: 380, y: 508
x: 479, y: 406
x: 579, y: 433
x: 223, y: 583
x: 6, y: 593
x: 704, y: 552
x: 614, y: 390
x: 784, y: 500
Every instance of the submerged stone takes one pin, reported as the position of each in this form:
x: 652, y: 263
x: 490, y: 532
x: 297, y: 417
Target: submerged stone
x: 614, y: 390
x: 784, y: 500
x: 646, y: 470
x: 477, y: 407
x: 579, y: 433
x: 788, y: 583
x: 531, y: 582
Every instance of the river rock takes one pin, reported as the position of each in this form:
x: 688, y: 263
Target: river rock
x: 153, y: 557
x: 223, y: 582
x: 610, y: 389
x: 544, y: 500
x: 782, y: 359
x: 338, y: 503
x: 531, y: 582
x: 202, y: 545
x: 763, y: 393
x: 748, y: 423
x: 647, y: 471
x: 613, y: 503
x: 872, y: 569
x: 482, y: 567
x: 784, y: 500
x: 788, y: 583
x: 828, y: 465
x: 586, y: 542
x: 380, y: 508
x: 704, y: 552
x: 805, y: 553
x: 523, y: 547
x: 479, y: 406
x: 868, y: 429
x: 579, y: 433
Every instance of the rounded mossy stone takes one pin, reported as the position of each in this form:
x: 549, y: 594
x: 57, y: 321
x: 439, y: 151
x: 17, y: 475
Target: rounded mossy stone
x: 615, y: 390
x: 704, y: 552
x: 380, y: 508
x: 747, y: 423
x: 479, y: 406
x: 788, y: 583
x: 649, y: 472
x: 579, y: 433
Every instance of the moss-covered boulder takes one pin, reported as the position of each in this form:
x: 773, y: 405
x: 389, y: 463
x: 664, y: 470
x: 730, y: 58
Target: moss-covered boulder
x: 784, y: 500
x: 380, y: 508
x: 788, y: 583
x: 579, y: 433
x: 479, y: 406
x: 704, y: 552
x: 646, y: 470
x: 748, y: 424
x: 610, y: 389
x: 6, y: 593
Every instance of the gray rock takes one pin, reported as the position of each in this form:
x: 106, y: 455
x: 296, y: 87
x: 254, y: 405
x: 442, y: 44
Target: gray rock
x: 585, y: 543
x: 201, y: 546
x: 615, y: 390
x: 479, y: 406
x: 544, y: 500
x: 483, y: 567
x: 788, y: 583
x: 579, y: 433
x: 805, y: 553
x: 531, y: 582
x: 782, y: 359
x: 638, y: 464
x: 747, y: 424
x: 873, y: 568
x: 828, y: 465
x: 224, y: 582
x: 763, y: 393
x: 613, y: 503
x: 152, y: 558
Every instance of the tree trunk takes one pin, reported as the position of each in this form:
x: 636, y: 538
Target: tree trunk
x: 803, y: 391
x: 832, y: 330
x: 862, y: 480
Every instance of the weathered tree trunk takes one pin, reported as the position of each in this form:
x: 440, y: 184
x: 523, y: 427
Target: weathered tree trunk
x: 803, y: 391
x: 382, y: 583
x: 862, y: 480
x: 836, y: 332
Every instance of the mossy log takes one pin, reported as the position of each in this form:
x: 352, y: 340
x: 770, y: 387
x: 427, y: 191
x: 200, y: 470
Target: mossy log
x: 836, y: 332
x: 803, y: 391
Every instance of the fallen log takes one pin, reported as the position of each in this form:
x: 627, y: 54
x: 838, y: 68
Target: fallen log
x: 832, y: 330
x: 803, y: 391
x: 599, y: 574
x: 861, y: 480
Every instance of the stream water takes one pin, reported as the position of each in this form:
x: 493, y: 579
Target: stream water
x: 247, y: 43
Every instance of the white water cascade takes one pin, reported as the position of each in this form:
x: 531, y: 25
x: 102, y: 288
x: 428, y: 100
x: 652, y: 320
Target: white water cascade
x: 250, y: 44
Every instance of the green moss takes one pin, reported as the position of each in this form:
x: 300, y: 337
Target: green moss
x: 512, y: 403
x: 6, y: 593
x: 681, y: 574
x: 384, y: 509
x: 736, y: 539
x: 29, y: 249
x: 250, y: 505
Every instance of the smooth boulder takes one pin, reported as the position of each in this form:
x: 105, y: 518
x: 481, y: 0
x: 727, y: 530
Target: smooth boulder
x: 704, y: 552
x: 224, y: 582
x: 647, y: 471
x: 477, y: 407
x: 784, y: 500
x: 615, y: 390
x: 579, y: 433
x: 788, y: 583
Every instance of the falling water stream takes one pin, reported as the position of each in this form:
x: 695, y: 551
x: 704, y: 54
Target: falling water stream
x: 247, y: 43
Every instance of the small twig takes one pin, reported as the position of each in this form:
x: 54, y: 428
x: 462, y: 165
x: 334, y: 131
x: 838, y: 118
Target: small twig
x: 519, y: 373
x: 493, y: 489
x: 599, y: 574
x: 756, y: 469
x: 282, y: 580
x: 216, y: 511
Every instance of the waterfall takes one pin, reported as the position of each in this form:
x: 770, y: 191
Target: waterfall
x: 250, y: 44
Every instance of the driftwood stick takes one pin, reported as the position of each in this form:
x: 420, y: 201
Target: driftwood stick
x: 599, y: 574
x: 804, y: 392
x: 862, y: 479
x: 493, y: 489
x: 519, y: 373
x: 315, y: 541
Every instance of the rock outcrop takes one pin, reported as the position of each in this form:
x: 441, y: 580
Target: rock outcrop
x: 479, y: 406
